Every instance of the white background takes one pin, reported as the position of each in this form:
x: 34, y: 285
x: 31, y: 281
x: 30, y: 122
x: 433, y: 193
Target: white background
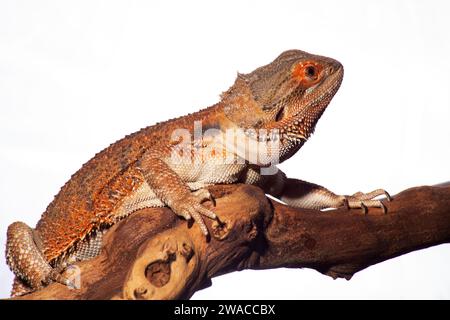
x: 76, y: 76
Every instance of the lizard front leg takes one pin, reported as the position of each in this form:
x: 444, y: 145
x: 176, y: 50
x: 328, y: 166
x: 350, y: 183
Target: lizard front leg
x: 303, y: 194
x: 169, y: 187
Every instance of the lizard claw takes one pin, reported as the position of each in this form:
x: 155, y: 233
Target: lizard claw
x: 387, y: 195
x: 212, y: 199
x: 345, y: 203
x: 363, y: 207
x: 383, y: 206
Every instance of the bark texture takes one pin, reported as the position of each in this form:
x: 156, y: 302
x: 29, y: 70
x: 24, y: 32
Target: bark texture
x: 154, y: 255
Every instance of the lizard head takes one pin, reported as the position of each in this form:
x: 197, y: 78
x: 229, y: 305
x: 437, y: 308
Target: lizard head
x: 290, y: 94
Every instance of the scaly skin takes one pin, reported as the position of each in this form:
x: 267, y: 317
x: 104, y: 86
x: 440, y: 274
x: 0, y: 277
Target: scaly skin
x: 287, y: 96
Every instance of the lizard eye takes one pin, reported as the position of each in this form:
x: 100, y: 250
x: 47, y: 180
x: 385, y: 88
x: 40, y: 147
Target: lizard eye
x: 310, y: 71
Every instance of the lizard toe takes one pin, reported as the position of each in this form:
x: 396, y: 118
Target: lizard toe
x: 370, y: 195
x: 198, y: 218
x: 203, y: 195
x: 364, y: 205
x: 364, y: 201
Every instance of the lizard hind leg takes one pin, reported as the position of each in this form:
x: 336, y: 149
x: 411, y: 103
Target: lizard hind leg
x: 26, y: 259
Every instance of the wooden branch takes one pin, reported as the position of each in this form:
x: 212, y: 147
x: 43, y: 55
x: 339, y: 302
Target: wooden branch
x: 154, y: 255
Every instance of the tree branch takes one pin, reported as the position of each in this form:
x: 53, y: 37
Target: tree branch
x: 153, y: 254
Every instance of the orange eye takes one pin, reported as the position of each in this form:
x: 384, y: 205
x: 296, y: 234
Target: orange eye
x: 307, y: 72
x: 310, y: 71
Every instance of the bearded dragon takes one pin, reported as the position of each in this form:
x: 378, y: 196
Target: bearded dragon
x: 270, y: 112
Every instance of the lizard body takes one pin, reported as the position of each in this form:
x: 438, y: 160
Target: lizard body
x: 285, y: 98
